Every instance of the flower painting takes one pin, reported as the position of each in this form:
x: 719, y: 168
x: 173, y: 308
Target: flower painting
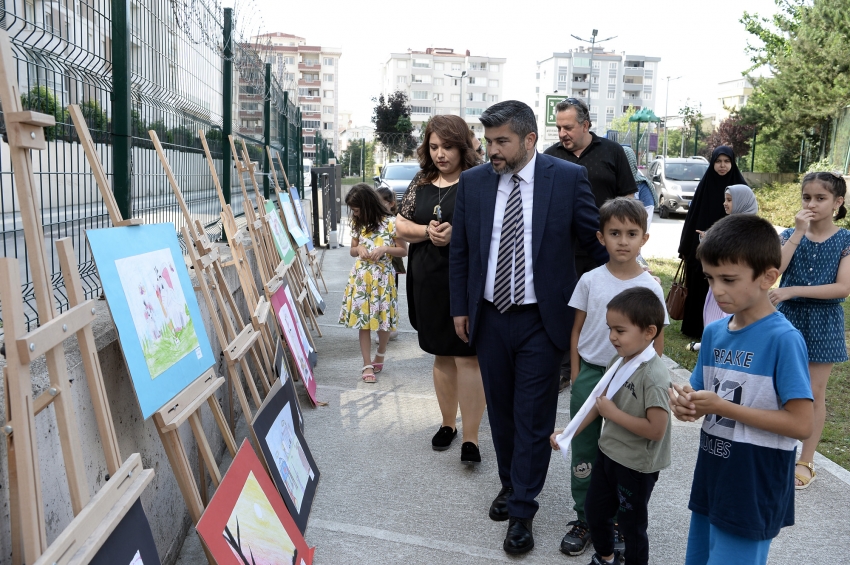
x: 158, y: 308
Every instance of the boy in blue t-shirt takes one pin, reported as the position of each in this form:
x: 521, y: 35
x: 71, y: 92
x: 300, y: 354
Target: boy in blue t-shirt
x: 752, y: 385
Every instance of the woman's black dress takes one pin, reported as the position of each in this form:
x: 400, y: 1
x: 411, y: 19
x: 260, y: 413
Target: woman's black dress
x: 428, y: 274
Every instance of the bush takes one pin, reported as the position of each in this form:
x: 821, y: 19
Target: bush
x: 181, y: 135
x: 94, y: 115
x: 822, y: 165
x: 41, y: 99
x: 138, y: 126
x: 780, y: 202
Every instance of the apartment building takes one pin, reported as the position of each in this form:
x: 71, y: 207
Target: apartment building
x: 732, y: 95
x: 609, y: 82
x: 310, y: 74
x: 440, y: 81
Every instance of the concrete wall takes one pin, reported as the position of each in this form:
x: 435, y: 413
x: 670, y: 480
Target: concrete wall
x: 162, y: 500
x: 756, y: 180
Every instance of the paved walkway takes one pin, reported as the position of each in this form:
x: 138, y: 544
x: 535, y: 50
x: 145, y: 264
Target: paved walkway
x: 386, y: 497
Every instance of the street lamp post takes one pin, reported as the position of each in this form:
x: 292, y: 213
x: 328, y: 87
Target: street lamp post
x: 666, y: 117
x: 460, y: 80
x: 593, y: 43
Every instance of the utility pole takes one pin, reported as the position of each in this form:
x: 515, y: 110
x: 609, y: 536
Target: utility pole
x: 593, y: 43
x: 460, y: 81
x: 363, y: 157
x: 666, y: 115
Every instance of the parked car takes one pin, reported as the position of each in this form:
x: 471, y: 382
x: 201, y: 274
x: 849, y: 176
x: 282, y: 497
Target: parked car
x: 675, y: 180
x: 397, y: 177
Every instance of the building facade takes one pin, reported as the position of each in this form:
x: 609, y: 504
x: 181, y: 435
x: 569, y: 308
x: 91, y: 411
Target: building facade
x: 609, y: 82
x: 310, y: 74
x: 732, y: 95
x: 439, y: 81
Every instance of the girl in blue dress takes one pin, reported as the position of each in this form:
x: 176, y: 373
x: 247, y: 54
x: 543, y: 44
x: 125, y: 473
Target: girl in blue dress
x: 815, y: 281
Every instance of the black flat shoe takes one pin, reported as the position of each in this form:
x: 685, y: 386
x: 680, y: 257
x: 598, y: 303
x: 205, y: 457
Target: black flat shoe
x: 519, y: 539
x: 469, y: 454
x: 499, y: 508
x: 443, y: 438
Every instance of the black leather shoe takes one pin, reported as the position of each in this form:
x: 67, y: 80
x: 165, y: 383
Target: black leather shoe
x: 499, y: 508
x: 443, y: 438
x: 519, y: 539
x: 469, y: 454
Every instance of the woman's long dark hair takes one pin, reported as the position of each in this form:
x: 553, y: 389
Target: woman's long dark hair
x: 371, y: 211
x: 455, y: 133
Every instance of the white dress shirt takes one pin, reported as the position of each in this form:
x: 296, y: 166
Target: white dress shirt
x: 526, y: 189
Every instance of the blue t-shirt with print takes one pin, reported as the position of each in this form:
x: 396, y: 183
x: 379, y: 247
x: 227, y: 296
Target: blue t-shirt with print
x: 744, y: 476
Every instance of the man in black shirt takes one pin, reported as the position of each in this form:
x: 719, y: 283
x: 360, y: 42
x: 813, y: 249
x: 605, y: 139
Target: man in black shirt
x: 610, y: 176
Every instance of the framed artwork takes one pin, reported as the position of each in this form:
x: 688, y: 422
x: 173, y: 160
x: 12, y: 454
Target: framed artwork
x: 305, y: 227
x: 285, y: 450
x: 314, y: 290
x: 247, y: 523
x: 130, y: 543
x: 282, y: 371
x: 155, y: 309
x: 292, y: 221
x: 281, y: 240
x: 285, y: 312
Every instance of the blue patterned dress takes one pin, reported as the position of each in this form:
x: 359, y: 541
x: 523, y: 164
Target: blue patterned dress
x: 820, y: 321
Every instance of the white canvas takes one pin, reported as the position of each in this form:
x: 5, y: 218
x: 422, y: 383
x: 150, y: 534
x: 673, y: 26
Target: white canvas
x: 288, y: 455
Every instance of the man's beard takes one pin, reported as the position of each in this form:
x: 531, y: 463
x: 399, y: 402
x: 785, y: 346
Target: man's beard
x: 515, y: 165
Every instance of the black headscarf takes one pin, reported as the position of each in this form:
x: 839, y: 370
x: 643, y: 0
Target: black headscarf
x: 707, y: 205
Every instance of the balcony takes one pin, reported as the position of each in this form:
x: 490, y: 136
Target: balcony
x: 633, y: 71
x: 308, y: 65
x: 580, y: 84
x: 632, y: 87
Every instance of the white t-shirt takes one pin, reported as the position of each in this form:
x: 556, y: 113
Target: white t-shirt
x: 593, y: 292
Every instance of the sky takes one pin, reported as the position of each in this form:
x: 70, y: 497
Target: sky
x: 704, y: 43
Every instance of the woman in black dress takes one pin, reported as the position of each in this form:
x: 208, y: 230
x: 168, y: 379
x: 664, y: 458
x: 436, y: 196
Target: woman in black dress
x: 705, y: 209
x: 425, y: 221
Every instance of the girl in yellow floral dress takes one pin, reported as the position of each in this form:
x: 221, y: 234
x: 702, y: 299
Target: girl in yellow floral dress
x: 370, y: 301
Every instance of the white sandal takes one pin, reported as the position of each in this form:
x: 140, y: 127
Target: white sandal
x: 379, y: 366
x: 370, y: 376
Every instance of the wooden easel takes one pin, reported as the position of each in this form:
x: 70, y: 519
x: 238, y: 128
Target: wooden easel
x: 202, y: 390
x: 311, y: 254
x: 237, y: 339
x: 25, y: 132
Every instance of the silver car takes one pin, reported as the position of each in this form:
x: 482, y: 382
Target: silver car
x: 397, y: 177
x: 675, y: 180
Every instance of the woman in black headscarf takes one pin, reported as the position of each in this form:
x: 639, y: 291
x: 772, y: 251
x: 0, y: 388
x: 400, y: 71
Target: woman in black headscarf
x: 705, y: 209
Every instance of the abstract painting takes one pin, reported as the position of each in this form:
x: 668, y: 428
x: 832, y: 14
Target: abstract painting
x: 292, y: 222
x: 156, y: 313
x: 130, y: 543
x: 282, y: 371
x: 281, y: 240
x: 305, y: 227
x: 247, y: 523
x: 282, y: 443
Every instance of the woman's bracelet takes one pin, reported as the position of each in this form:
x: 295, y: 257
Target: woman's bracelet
x: 793, y: 242
x: 426, y: 232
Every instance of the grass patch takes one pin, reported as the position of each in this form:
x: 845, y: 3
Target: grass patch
x: 350, y: 181
x: 835, y: 442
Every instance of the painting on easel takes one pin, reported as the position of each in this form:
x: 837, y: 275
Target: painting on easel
x: 296, y: 341
x: 155, y: 309
x: 247, y: 523
x: 292, y: 221
x: 281, y: 240
x: 282, y: 443
x: 282, y: 372
x: 296, y: 199
x: 131, y: 542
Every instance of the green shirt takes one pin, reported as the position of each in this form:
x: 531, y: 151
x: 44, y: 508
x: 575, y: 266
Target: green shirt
x: 646, y: 388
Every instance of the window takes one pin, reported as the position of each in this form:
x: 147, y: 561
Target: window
x: 329, y: 61
x: 494, y: 68
x: 455, y: 66
x: 594, y: 109
x: 537, y: 90
x: 329, y: 94
x: 612, y: 95
x: 438, y: 97
x: 288, y: 77
x: 476, y: 96
x: 401, y: 79
x: 309, y: 154
x: 309, y: 108
x: 421, y: 63
x: 420, y: 95
x: 310, y: 124
x: 438, y: 82
x: 609, y: 111
x: 311, y: 62
x: 310, y: 77
x: 474, y: 111
x: 327, y: 77
x: 537, y: 76
x: 492, y: 98
x: 309, y: 92
x: 327, y: 109
x: 647, y: 80
x: 420, y: 110
x: 562, y: 77
x: 477, y: 66
x: 438, y: 66
x: 479, y: 81
x: 594, y: 79
x: 537, y: 103
x: 328, y: 125
x: 308, y: 140
x: 634, y: 64
x: 581, y: 61
x: 401, y: 64
x: 424, y: 79
x: 455, y: 98
x: 594, y: 94
x: 612, y: 65
x: 493, y: 84
x: 647, y: 95
x: 596, y: 64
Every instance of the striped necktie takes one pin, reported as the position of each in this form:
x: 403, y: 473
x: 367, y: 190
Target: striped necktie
x: 511, y: 253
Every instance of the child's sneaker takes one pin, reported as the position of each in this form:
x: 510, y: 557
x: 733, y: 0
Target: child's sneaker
x: 576, y: 540
x: 597, y: 560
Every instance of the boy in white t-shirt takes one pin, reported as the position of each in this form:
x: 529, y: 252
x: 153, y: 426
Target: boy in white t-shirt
x: 622, y: 224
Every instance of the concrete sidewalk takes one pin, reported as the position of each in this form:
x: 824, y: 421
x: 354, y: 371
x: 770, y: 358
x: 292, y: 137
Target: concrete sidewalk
x: 386, y: 497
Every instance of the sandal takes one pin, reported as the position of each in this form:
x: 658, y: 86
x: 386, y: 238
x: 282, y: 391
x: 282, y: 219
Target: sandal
x: 807, y: 481
x: 370, y: 376
x: 379, y: 366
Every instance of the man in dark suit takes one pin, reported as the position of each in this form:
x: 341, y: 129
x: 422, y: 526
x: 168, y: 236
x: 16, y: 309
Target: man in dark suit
x: 512, y: 273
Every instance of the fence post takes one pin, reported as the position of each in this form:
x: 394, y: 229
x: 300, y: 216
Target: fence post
x: 267, y: 126
x: 121, y: 107
x: 286, y: 167
x: 227, y: 104
x: 299, y: 165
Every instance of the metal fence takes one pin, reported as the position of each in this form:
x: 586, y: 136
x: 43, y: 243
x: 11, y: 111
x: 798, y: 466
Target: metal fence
x: 162, y: 66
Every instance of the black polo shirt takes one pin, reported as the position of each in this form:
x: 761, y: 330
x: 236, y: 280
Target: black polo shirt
x: 608, y: 169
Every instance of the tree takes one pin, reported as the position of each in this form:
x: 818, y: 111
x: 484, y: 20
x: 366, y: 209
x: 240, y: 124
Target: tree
x: 393, y: 127
x: 734, y: 132
x: 692, y: 119
x: 622, y: 123
x: 41, y: 99
x: 352, y: 159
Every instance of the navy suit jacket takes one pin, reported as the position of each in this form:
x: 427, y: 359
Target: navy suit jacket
x: 564, y: 210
